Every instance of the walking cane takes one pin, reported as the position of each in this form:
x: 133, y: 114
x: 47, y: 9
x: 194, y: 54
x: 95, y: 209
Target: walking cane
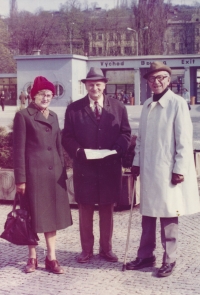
x: 129, y: 224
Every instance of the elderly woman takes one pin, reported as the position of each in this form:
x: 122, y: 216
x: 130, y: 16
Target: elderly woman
x: 39, y: 171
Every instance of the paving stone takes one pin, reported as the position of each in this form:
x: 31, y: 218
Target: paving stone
x: 100, y: 277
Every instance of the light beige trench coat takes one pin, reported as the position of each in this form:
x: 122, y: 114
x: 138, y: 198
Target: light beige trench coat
x: 163, y: 146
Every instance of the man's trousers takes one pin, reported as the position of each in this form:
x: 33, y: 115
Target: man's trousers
x: 169, y: 237
x: 86, y: 213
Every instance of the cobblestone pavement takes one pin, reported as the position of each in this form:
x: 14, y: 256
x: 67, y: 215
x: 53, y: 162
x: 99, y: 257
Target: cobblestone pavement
x: 99, y: 277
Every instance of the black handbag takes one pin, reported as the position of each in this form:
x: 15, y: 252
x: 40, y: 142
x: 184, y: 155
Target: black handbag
x: 17, y: 228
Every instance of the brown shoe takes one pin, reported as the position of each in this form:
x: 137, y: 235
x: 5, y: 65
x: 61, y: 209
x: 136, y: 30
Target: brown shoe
x: 53, y: 266
x: 31, y: 265
x: 109, y: 256
x: 84, y: 257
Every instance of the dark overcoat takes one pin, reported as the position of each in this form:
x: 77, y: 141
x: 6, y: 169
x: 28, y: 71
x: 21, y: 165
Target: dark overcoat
x: 96, y: 181
x: 38, y: 161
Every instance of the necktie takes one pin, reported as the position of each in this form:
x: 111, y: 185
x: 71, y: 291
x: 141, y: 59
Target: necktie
x: 97, y: 110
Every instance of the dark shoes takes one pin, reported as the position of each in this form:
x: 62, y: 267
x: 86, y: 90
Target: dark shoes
x: 53, y: 266
x: 84, y: 257
x: 31, y: 265
x: 109, y: 256
x: 140, y: 263
x: 166, y: 269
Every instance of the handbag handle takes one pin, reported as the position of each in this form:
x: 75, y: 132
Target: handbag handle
x: 17, y: 197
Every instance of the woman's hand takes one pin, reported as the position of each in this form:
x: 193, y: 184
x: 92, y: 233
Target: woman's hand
x: 20, y: 188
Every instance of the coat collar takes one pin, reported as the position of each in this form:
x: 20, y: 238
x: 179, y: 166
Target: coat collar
x: 33, y: 111
x: 163, y: 101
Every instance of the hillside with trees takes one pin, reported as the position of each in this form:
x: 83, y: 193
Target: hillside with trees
x: 90, y: 30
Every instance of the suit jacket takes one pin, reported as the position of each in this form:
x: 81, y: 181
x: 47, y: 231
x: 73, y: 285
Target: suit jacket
x: 96, y: 181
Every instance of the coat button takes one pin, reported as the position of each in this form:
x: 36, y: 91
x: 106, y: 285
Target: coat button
x: 99, y: 147
x: 50, y: 167
x: 47, y: 129
x: 49, y: 148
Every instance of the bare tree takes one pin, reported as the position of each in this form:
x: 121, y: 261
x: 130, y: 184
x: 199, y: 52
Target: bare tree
x: 150, y: 15
x: 29, y: 31
x: 7, y: 63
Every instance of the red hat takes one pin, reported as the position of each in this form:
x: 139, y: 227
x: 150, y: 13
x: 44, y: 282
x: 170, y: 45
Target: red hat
x: 41, y: 83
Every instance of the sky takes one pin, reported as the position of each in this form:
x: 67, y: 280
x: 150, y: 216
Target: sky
x: 33, y: 5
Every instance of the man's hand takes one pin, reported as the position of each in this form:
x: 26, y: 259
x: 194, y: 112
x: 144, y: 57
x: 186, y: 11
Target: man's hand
x: 177, y: 178
x: 80, y: 154
x: 20, y: 188
x: 135, y: 170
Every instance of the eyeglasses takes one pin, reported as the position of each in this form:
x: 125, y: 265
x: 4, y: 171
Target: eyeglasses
x: 43, y: 94
x: 160, y: 78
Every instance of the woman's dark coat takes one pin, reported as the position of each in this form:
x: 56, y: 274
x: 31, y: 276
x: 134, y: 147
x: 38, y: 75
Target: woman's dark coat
x: 96, y: 181
x: 38, y: 161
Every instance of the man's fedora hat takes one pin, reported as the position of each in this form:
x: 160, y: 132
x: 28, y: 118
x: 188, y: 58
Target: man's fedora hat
x: 95, y: 74
x: 157, y: 66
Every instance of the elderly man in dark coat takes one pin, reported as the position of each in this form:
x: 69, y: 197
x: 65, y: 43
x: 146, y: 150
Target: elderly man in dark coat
x: 96, y: 122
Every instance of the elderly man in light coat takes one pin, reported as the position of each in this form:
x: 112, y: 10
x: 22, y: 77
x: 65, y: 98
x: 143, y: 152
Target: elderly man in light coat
x: 164, y: 160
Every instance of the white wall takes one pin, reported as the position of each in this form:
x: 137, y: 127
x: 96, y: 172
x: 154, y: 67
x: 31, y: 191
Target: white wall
x: 67, y: 70
x: 79, y: 71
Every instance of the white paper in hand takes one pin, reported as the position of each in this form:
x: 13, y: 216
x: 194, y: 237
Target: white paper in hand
x: 98, y: 154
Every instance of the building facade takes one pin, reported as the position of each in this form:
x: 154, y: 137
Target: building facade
x: 124, y: 74
x: 182, y: 34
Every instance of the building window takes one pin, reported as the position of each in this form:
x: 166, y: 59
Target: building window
x: 111, y: 38
x: 94, y: 52
x: 112, y: 50
x: 174, y: 32
x: 59, y: 89
x: 128, y: 50
x: 197, y: 47
x: 9, y: 86
x: 128, y: 37
x: 28, y: 87
x: 180, y: 47
x: 100, y: 50
x: 173, y: 46
x: 80, y: 88
x: 100, y: 36
x: 94, y: 36
x: 118, y: 50
x: 118, y: 37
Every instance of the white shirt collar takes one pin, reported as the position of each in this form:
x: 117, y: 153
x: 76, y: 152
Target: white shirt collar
x: 100, y: 102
